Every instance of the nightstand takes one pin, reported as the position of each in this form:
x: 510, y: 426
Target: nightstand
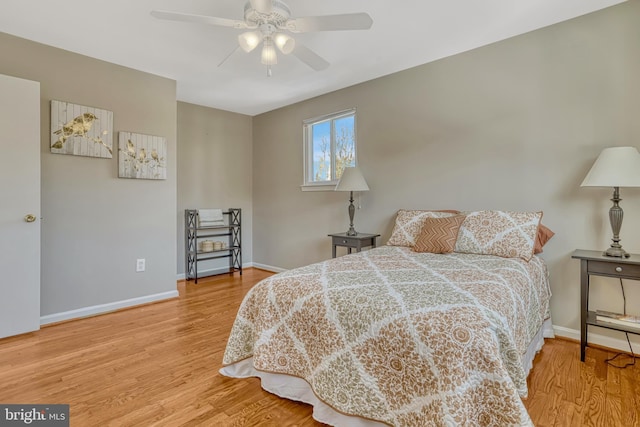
x: 594, y: 263
x: 359, y: 241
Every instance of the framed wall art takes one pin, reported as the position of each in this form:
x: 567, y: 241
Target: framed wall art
x: 81, y: 131
x: 142, y: 156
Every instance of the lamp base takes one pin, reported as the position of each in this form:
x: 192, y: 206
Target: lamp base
x: 352, y: 210
x: 615, y: 217
x: 616, y: 252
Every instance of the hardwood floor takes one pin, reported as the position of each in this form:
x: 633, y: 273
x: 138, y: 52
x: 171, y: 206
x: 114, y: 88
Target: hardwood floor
x: 158, y: 365
x: 566, y: 392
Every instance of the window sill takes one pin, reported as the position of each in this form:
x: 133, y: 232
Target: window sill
x: 318, y: 187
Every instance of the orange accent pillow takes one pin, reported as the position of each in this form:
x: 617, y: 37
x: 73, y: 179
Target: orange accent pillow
x: 439, y: 235
x: 543, y: 236
x: 409, y: 223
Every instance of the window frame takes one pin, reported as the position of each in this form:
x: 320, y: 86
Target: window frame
x: 307, y: 136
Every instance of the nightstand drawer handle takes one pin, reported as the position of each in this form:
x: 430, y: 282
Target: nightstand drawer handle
x: 345, y: 241
x: 619, y: 269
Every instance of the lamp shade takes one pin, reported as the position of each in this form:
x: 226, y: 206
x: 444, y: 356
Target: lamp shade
x: 269, y: 56
x: 352, y: 180
x: 615, y: 167
x: 249, y: 40
x: 285, y: 43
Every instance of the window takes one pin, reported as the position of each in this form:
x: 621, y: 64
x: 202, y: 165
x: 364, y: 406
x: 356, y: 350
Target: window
x: 329, y: 147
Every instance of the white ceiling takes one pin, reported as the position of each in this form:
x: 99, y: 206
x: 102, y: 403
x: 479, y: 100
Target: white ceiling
x: 405, y: 33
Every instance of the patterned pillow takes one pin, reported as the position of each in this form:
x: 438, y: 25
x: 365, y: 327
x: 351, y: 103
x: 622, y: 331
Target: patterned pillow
x: 409, y: 223
x: 501, y: 233
x: 439, y: 235
x: 543, y: 236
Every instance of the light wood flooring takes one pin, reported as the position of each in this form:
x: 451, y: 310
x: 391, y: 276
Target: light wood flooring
x: 158, y: 365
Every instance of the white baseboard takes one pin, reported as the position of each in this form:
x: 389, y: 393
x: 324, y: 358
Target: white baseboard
x: 603, y: 340
x: 105, y: 308
x: 614, y: 343
x: 269, y: 268
x: 213, y: 271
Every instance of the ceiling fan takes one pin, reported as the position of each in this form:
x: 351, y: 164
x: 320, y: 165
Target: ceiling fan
x: 268, y: 22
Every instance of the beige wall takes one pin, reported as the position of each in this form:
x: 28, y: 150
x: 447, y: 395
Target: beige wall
x: 94, y: 224
x: 214, y: 164
x: 515, y: 126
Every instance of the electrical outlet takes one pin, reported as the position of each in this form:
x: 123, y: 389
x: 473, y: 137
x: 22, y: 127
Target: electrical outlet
x: 140, y: 264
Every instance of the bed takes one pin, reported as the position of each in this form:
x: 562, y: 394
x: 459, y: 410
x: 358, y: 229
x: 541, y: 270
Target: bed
x: 396, y: 337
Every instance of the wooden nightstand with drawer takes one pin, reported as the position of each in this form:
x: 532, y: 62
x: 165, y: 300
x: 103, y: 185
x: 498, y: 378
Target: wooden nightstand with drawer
x: 594, y: 263
x: 357, y: 242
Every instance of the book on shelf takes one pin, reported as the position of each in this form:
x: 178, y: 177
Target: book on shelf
x: 617, y: 318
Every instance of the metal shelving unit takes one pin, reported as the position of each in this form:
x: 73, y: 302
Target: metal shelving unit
x: 192, y: 233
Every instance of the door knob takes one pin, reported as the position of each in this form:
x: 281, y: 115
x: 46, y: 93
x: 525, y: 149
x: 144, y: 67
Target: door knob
x: 29, y: 218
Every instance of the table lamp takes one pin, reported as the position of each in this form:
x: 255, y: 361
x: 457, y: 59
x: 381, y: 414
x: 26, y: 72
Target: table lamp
x: 352, y: 180
x: 615, y: 167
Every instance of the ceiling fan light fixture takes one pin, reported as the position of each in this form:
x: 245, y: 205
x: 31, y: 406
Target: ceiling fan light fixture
x: 269, y: 56
x: 265, y: 21
x: 249, y: 40
x: 285, y: 43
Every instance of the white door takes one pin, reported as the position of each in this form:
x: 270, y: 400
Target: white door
x: 19, y: 197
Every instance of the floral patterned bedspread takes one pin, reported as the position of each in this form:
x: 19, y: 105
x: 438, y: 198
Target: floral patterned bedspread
x: 405, y: 338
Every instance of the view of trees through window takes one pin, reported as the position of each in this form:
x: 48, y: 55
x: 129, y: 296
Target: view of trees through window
x: 333, y: 145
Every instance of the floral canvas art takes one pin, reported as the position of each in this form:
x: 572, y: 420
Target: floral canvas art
x: 81, y: 131
x: 142, y: 156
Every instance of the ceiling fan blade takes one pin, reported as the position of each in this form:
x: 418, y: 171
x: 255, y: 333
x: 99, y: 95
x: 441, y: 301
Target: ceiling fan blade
x: 198, y: 19
x: 348, y: 21
x: 262, y: 6
x: 310, y: 58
